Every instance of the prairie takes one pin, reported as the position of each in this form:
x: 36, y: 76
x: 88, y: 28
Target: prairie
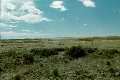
x: 96, y: 58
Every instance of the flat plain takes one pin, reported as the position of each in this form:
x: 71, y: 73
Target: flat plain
x: 96, y: 58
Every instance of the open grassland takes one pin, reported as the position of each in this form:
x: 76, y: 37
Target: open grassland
x: 60, y: 59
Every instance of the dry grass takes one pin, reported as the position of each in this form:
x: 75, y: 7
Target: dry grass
x: 19, y: 61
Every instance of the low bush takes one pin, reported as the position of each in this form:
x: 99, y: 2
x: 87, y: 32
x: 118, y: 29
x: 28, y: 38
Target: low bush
x: 9, y: 53
x: 58, y: 49
x: 75, y: 52
x: 113, y: 51
x: 28, y: 58
x: 46, y: 52
x: 109, y: 53
x: 91, y: 50
x: 17, y: 77
x: 35, y: 51
x: 1, y: 69
x: 55, y: 73
x: 18, y: 60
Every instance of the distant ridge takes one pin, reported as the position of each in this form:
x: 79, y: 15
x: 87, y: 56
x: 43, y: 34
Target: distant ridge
x: 81, y: 38
x: 102, y: 38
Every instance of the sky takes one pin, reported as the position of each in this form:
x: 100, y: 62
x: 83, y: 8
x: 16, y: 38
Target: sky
x: 59, y: 18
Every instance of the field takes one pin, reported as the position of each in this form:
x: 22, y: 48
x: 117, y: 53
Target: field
x: 60, y: 59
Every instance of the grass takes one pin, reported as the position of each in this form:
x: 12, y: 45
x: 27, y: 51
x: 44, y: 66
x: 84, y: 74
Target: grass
x: 60, y: 59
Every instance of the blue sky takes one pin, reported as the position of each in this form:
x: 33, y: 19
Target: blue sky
x: 59, y: 18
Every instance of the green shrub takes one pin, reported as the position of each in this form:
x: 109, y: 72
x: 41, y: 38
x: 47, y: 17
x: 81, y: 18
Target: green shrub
x: 49, y: 52
x: 75, y: 52
x: 28, y: 59
x: 91, y: 50
x: 113, y: 51
x: 114, y: 72
x: 35, y: 51
x: 58, y: 49
x: 1, y: 69
x: 18, y: 60
x: 45, y: 52
x: 55, y: 73
x: 108, y: 63
x: 17, y: 77
x: 109, y: 53
x: 9, y: 53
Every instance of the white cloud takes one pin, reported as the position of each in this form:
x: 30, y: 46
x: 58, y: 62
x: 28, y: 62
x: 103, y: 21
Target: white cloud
x: 9, y: 28
x: 14, y: 34
x: 12, y: 26
x: 8, y: 33
x: 22, y: 35
x: 58, y: 5
x: 88, y: 3
x: 4, y: 25
x: 21, y: 10
x: 32, y: 18
x: 26, y: 30
x: 85, y: 25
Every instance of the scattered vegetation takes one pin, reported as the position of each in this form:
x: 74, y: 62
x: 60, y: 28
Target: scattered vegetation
x: 23, y: 60
x: 10, y: 53
x: 109, y: 53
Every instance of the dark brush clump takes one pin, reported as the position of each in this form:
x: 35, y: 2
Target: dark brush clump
x: 76, y: 52
x: 17, y: 77
x: 28, y: 58
x: 46, y: 52
x: 1, y: 69
x: 91, y: 50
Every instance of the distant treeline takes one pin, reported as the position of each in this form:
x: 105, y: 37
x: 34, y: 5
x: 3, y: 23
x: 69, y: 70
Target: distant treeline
x: 102, y: 38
